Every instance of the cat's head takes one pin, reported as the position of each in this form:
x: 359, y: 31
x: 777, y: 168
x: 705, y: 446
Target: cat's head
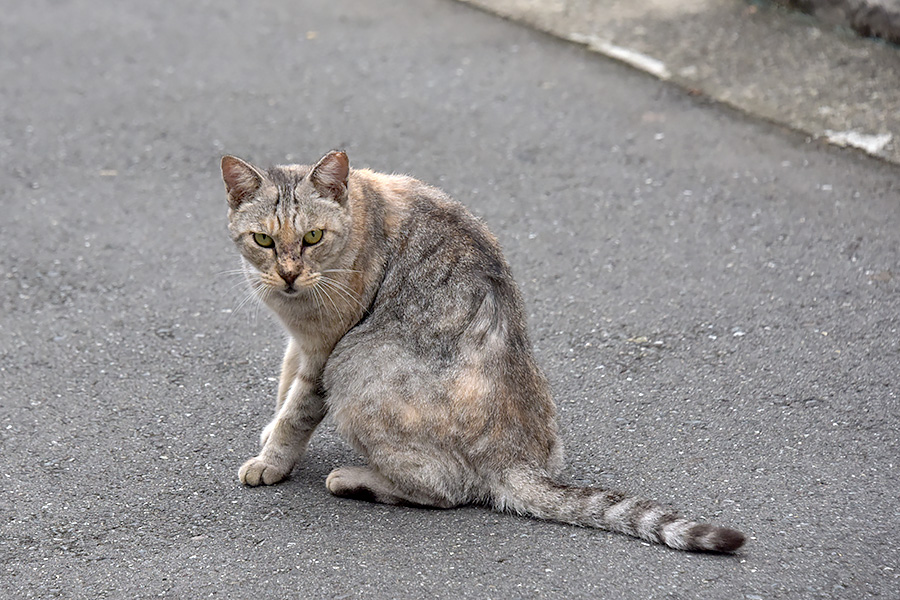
x: 290, y: 223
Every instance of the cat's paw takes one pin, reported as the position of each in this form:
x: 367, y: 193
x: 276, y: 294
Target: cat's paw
x: 360, y: 483
x: 257, y: 471
x: 342, y: 480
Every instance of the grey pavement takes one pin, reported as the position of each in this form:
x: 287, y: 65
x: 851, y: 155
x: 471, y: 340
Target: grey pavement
x: 762, y: 59
x: 716, y: 302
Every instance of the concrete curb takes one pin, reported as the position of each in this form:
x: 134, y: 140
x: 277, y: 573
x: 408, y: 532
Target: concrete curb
x: 762, y: 59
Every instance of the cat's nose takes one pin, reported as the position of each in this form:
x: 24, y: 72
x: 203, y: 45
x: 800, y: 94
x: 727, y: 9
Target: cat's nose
x: 289, y: 277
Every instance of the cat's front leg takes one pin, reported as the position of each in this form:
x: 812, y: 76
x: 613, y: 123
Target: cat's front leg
x: 285, y: 438
x: 290, y: 367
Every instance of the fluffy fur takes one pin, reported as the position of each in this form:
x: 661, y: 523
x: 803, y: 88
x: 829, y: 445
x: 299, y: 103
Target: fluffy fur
x: 407, y: 328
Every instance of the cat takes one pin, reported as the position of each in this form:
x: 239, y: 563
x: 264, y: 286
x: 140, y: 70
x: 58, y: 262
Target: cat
x: 406, y: 327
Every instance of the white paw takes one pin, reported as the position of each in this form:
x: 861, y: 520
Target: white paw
x: 333, y: 481
x: 344, y: 480
x: 257, y: 471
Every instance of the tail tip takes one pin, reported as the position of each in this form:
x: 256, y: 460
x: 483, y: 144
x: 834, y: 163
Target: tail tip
x: 728, y: 540
x: 711, y: 538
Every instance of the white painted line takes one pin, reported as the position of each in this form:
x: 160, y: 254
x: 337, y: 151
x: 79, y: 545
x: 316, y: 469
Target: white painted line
x: 873, y: 144
x: 634, y: 58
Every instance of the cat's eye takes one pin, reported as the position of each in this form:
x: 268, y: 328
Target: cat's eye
x: 263, y: 240
x: 313, y: 236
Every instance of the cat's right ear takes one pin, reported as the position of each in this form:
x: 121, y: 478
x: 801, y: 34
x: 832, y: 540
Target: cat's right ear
x: 329, y: 176
x: 242, y: 180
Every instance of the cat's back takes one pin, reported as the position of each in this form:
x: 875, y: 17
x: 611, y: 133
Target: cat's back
x: 442, y: 265
x: 417, y: 217
x: 446, y: 330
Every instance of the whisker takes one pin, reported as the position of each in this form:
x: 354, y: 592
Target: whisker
x: 249, y: 290
x: 243, y: 283
x: 320, y: 301
x: 343, y: 290
x: 256, y: 291
x: 327, y: 285
x: 320, y: 304
x: 324, y: 290
x: 340, y: 271
x: 266, y: 292
x: 249, y: 286
x: 256, y: 297
x: 238, y: 275
x: 249, y: 294
x: 230, y: 272
x: 339, y: 285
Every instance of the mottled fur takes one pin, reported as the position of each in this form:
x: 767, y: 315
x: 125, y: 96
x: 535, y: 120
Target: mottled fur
x: 407, y: 328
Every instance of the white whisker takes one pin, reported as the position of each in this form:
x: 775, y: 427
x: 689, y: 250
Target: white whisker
x: 249, y: 287
x: 243, y: 283
x: 249, y: 295
x: 266, y: 292
x: 324, y: 290
x: 256, y: 291
x: 258, y: 297
x: 343, y: 290
x: 320, y: 302
x: 340, y: 271
x: 231, y: 272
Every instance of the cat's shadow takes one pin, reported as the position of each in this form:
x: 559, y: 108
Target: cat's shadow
x: 326, y: 452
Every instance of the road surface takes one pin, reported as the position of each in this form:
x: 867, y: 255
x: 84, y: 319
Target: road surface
x: 714, y: 299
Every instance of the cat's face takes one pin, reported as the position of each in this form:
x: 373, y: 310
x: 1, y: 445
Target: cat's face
x: 290, y: 224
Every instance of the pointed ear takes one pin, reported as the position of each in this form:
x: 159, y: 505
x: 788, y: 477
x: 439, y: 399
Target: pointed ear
x: 329, y: 176
x: 242, y: 180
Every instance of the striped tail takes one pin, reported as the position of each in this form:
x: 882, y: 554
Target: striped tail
x: 543, y: 498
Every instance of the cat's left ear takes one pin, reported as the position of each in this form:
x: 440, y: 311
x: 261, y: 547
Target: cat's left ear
x: 242, y: 180
x: 329, y: 176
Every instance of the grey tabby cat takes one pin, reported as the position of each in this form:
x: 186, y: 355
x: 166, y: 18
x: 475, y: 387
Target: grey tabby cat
x: 407, y: 328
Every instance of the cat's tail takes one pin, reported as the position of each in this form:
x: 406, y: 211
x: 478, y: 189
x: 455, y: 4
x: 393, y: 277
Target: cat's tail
x: 541, y: 497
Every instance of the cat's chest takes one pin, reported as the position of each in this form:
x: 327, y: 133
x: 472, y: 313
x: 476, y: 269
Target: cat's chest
x: 314, y: 347
x: 310, y: 328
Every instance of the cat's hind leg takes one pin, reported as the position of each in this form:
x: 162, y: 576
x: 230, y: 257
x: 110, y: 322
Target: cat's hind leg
x: 363, y: 483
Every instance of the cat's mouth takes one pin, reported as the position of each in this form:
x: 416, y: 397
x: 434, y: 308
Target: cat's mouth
x: 295, y: 288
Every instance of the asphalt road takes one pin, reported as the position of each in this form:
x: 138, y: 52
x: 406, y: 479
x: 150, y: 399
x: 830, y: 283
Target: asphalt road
x: 716, y: 302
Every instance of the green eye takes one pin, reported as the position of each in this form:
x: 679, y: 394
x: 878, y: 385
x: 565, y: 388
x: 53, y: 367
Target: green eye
x: 263, y: 240
x: 313, y: 236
